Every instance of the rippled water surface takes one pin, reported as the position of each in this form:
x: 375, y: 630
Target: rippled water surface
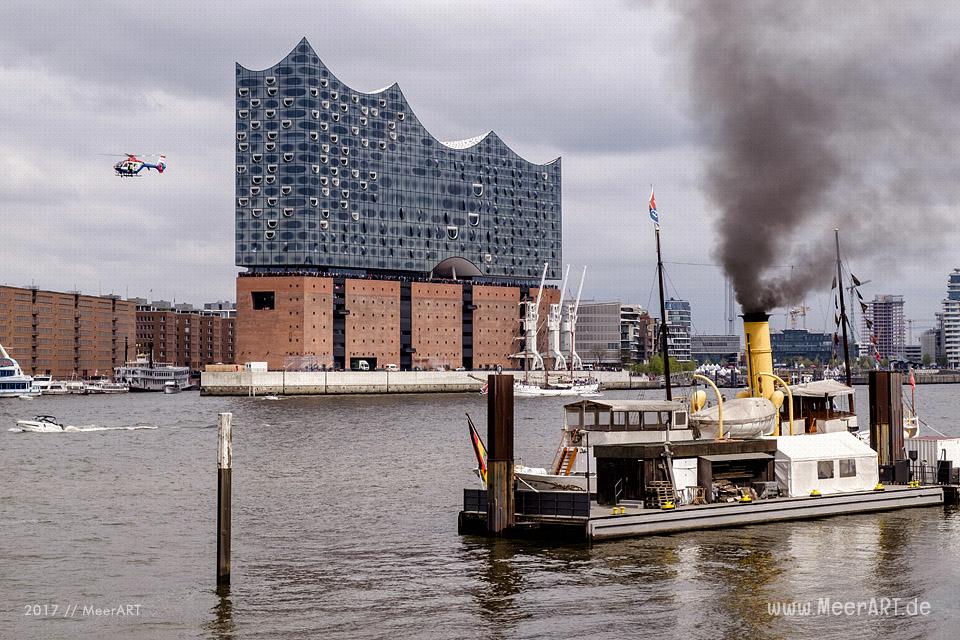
x: 344, y: 526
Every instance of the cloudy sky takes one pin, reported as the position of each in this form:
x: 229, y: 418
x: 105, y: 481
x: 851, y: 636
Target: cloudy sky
x: 609, y: 86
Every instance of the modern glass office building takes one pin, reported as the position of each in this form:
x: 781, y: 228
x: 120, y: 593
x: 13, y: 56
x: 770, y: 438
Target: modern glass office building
x: 335, y: 180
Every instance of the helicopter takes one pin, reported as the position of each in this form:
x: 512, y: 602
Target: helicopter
x: 132, y: 166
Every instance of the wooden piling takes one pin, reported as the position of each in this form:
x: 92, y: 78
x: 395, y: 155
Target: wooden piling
x: 500, y: 507
x: 886, y: 416
x: 224, y: 469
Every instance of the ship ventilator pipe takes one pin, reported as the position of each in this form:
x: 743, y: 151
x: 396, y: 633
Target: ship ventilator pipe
x: 716, y: 391
x: 786, y: 388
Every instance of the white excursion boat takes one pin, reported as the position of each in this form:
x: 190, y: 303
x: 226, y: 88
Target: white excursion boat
x: 170, y: 386
x: 13, y: 382
x: 105, y: 386
x: 551, y: 389
x: 145, y: 375
x: 41, y: 424
x: 50, y: 387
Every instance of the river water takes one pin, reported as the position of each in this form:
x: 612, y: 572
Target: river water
x: 344, y: 526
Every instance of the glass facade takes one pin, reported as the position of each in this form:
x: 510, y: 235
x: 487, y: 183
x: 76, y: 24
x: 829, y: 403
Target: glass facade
x: 331, y: 178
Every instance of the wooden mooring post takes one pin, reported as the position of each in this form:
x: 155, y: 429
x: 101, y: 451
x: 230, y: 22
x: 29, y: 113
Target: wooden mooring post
x: 500, y: 507
x: 224, y: 469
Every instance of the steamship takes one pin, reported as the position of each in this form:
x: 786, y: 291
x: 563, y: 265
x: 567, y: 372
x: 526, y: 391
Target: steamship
x: 813, y: 441
x: 143, y: 374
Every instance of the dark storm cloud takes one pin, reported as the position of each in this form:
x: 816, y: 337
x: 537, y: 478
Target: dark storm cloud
x: 592, y: 82
x: 823, y: 115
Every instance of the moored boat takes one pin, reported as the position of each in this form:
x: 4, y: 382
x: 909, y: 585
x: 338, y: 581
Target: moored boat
x: 13, y: 382
x: 145, y: 375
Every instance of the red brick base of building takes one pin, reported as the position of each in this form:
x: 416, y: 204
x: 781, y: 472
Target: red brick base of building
x: 303, y: 322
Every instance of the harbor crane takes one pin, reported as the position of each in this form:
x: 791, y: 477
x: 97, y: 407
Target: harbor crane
x: 531, y: 318
x: 569, y: 326
x: 554, y: 318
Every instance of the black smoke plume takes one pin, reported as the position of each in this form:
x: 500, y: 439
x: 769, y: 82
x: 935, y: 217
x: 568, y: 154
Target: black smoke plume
x: 820, y: 115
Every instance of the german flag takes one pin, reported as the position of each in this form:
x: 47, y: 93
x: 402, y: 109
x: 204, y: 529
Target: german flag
x: 479, y: 450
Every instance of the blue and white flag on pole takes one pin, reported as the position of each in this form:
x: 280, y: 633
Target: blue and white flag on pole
x: 654, y: 215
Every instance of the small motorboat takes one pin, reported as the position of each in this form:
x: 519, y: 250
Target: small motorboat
x: 41, y: 424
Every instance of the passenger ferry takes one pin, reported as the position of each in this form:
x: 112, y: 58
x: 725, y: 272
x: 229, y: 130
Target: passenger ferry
x: 145, y: 375
x: 13, y: 383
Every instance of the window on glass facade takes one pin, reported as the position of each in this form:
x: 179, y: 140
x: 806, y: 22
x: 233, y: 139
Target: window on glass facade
x: 269, y: 234
x: 271, y: 91
x: 270, y: 80
x: 270, y: 146
x: 288, y: 102
x: 288, y: 211
x: 243, y: 92
x: 256, y: 179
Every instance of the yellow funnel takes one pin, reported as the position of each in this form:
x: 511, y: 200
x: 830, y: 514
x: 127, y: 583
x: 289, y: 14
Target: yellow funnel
x: 756, y: 327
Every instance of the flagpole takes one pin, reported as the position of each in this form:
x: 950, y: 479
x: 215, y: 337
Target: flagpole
x: 664, y: 329
x: 843, y: 321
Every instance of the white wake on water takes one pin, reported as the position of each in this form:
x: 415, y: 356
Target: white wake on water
x: 87, y: 428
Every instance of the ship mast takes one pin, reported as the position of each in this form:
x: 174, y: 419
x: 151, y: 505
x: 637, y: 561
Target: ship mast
x: 664, y: 330
x: 843, y: 320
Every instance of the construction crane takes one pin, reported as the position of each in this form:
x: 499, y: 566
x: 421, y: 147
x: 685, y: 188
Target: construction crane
x: 800, y: 311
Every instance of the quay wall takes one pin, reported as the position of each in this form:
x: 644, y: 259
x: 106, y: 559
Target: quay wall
x: 243, y: 383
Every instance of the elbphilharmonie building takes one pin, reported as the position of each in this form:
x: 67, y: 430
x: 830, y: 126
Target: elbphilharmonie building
x: 330, y: 177
x: 364, y: 237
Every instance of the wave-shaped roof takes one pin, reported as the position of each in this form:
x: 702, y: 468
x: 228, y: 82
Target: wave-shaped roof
x: 466, y: 143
